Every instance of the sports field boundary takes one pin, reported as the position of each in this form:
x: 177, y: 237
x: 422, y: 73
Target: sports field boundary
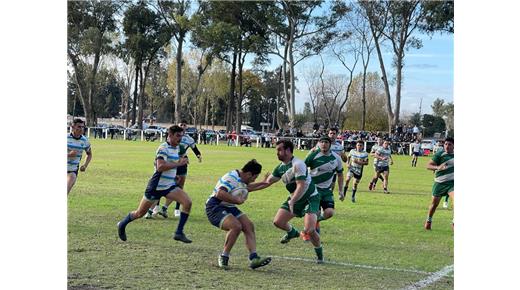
x: 434, y: 277
x: 355, y: 265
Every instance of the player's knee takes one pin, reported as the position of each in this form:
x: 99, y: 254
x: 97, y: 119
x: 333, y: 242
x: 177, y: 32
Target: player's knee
x: 309, y: 231
x: 187, y: 204
x: 236, y: 227
x: 277, y: 223
x: 248, y: 228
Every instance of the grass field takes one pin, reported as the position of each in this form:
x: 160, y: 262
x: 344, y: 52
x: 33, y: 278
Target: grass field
x: 377, y: 243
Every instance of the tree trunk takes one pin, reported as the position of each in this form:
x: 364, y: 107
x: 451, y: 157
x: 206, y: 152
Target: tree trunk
x: 136, y: 88
x: 275, y: 115
x: 395, y: 121
x: 287, y: 97
x: 390, y: 114
x: 141, y: 100
x: 238, y: 112
x: 178, y: 78
x: 229, y: 111
x: 364, y: 99
x: 292, y: 109
x: 81, y: 87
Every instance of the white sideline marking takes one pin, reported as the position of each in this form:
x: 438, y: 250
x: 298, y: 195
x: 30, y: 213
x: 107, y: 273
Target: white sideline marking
x: 431, y: 279
x: 354, y: 265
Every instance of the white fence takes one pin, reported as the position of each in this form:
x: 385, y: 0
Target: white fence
x: 301, y: 143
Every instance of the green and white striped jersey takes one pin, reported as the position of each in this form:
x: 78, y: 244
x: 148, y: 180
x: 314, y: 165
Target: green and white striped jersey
x: 448, y: 174
x: 323, y: 167
x: 335, y: 147
x: 292, y: 171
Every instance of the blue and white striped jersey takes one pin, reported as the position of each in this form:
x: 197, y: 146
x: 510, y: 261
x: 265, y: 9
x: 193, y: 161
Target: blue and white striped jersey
x: 169, y: 153
x: 79, y: 144
x: 186, y: 142
x: 229, y: 181
x: 383, y: 153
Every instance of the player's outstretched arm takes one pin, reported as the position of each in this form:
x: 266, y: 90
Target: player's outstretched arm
x: 268, y: 181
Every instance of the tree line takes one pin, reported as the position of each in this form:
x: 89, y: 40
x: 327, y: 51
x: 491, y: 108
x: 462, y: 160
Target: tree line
x: 208, y: 61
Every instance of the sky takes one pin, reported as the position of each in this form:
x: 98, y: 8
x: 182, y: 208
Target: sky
x: 427, y: 74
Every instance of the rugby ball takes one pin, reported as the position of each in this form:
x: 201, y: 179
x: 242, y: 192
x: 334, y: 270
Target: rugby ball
x: 240, y: 191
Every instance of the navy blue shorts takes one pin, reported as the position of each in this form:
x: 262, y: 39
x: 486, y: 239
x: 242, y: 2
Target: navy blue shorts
x: 416, y: 153
x: 381, y: 169
x: 182, y: 170
x: 74, y: 171
x: 154, y: 194
x: 217, y: 213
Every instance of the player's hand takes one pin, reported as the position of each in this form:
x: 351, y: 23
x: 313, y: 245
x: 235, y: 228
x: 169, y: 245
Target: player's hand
x: 83, y: 168
x: 291, y: 206
x: 266, y: 176
x: 239, y: 199
x: 184, y: 160
x: 72, y: 153
x: 342, y: 195
x: 200, y: 158
x: 442, y: 167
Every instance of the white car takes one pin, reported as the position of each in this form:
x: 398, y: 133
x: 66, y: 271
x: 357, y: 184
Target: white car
x: 152, y: 129
x: 427, y: 144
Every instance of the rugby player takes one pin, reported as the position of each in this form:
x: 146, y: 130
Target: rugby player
x: 223, y: 213
x: 303, y: 200
x: 373, y: 150
x: 442, y: 163
x: 383, y: 155
x: 163, y: 183
x: 186, y: 142
x: 416, y: 151
x: 356, y: 159
x: 324, y: 165
x: 76, y: 144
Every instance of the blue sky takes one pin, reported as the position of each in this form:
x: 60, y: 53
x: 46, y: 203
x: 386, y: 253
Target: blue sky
x: 428, y: 73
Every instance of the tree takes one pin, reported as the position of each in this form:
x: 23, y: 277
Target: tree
x: 158, y: 93
x: 231, y: 35
x: 415, y: 119
x: 89, y: 24
x: 444, y: 111
x: 145, y: 36
x: 177, y: 16
x: 396, y: 21
x: 432, y: 124
x: 362, y: 34
x: 375, y: 100
x: 301, y: 33
x: 438, y: 108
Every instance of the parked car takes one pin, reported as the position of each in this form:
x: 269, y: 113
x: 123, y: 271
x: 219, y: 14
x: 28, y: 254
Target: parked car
x: 153, y: 129
x: 427, y: 144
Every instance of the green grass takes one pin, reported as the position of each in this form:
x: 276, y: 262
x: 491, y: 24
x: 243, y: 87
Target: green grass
x: 379, y: 230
